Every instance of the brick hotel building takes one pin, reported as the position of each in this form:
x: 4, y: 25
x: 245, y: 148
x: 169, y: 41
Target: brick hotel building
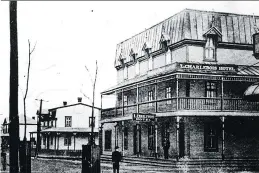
x: 184, y: 79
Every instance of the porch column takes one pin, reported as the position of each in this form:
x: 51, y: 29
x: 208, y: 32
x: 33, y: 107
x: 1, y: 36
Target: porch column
x: 74, y: 134
x: 177, y: 93
x: 156, y: 137
x: 156, y: 97
x: 116, y: 103
x: 101, y: 138
x: 223, y: 137
x: 122, y: 140
x: 177, y: 136
x: 222, y: 94
x: 122, y: 99
x: 137, y: 99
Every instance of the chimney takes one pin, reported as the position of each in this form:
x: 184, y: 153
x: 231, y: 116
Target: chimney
x: 79, y: 99
x: 33, y: 118
x: 64, y: 103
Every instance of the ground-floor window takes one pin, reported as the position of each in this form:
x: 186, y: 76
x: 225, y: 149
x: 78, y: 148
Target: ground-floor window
x: 210, y: 137
x: 51, y: 140
x: 108, y: 140
x: 67, y: 141
x: 125, y: 138
x: 151, y: 136
x: 44, y: 140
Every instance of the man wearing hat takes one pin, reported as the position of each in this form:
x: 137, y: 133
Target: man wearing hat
x: 116, y: 158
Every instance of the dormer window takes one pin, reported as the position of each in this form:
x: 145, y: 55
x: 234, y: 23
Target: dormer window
x: 147, y: 49
x: 164, y: 41
x: 133, y: 55
x: 213, y: 35
x: 210, y: 49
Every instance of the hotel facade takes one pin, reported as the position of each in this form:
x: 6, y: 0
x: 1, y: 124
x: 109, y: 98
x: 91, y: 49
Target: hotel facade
x: 180, y: 87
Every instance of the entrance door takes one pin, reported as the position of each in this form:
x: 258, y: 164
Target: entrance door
x: 137, y: 139
x: 181, y: 139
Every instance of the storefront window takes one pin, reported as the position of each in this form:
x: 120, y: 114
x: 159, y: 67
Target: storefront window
x: 151, y: 137
x: 108, y: 140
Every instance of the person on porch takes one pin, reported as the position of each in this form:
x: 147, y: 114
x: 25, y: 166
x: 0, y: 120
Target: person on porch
x: 166, y: 147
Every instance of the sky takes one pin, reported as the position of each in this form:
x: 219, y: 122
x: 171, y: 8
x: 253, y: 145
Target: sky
x: 72, y: 35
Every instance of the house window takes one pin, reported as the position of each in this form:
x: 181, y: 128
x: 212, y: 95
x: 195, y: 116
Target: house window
x: 150, y: 63
x: 150, y: 97
x: 137, y: 68
x: 125, y: 100
x: 90, y: 121
x: 67, y: 141
x: 210, y: 49
x: 108, y: 140
x: 151, y: 137
x: 168, y: 95
x: 210, y: 137
x: 51, y: 123
x: 168, y: 58
x: 125, y: 138
x: 44, y: 140
x: 211, y: 89
x: 68, y: 121
x: 125, y: 72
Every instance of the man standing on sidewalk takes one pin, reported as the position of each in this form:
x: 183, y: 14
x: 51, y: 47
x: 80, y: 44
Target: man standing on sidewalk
x: 116, y: 158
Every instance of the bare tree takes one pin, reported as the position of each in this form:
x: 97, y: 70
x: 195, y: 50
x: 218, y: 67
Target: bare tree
x: 93, y: 98
x: 27, y: 87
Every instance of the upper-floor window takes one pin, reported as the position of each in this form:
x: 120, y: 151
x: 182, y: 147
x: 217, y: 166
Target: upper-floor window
x: 68, y: 121
x: 125, y: 72
x: 125, y: 100
x: 168, y: 95
x: 150, y: 97
x: 91, y: 122
x: 137, y: 68
x: 210, y: 49
x: 211, y: 89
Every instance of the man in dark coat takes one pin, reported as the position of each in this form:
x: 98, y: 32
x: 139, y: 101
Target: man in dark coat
x: 166, y: 148
x: 116, y: 158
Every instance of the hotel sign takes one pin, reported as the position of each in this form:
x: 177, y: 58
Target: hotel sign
x: 143, y: 117
x: 208, y: 67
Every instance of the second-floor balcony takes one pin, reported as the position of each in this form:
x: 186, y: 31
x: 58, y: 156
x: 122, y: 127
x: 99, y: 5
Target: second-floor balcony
x: 180, y: 104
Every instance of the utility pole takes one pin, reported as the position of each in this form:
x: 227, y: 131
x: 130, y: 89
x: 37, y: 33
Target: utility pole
x: 39, y: 128
x: 13, y: 97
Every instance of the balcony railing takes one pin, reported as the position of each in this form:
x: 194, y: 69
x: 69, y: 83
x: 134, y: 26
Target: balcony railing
x: 183, y: 103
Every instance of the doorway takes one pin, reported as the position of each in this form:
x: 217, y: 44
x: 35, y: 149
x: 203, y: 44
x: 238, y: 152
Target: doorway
x: 137, y: 139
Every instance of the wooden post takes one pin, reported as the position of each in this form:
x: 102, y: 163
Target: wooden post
x: 122, y: 98
x: 122, y: 141
x: 223, y: 137
x: 58, y: 141
x: 177, y: 136
x: 156, y: 138
x: 137, y: 99
x: 177, y: 94
x: 222, y: 94
x: 156, y: 97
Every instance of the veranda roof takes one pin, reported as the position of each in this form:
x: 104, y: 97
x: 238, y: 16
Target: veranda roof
x: 68, y: 130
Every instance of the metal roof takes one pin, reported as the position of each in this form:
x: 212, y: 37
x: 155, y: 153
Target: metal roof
x: 191, y: 24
